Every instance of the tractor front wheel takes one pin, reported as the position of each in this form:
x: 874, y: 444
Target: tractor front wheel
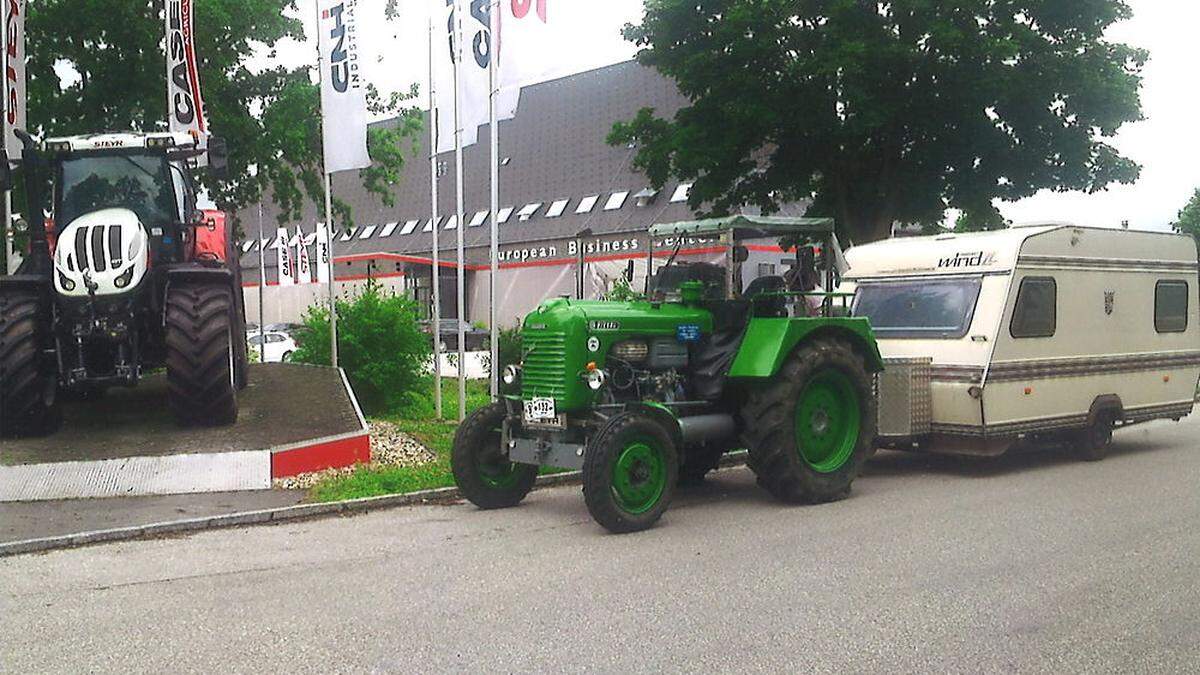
x: 810, y: 430
x: 28, y: 396
x: 630, y: 472
x: 202, y: 357
x: 481, y: 469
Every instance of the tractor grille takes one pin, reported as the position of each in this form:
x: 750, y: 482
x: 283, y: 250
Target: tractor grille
x: 545, y: 370
x: 90, y: 251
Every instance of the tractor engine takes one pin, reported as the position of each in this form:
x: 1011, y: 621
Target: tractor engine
x: 100, y: 263
x: 648, y: 369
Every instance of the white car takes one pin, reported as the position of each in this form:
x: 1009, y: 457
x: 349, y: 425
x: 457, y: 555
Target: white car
x: 279, y: 347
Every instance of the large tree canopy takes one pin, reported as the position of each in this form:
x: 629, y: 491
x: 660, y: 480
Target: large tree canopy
x: 1188, y: 221
x: 886, y: 111
x: 99, y: 65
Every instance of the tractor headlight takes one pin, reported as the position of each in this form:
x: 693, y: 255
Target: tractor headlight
x: 123, y: 280
x: 65, y: 282
x: 512, y: 374
x: 595, y: 379
x: 633, y: 351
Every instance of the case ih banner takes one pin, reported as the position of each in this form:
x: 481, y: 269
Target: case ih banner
x: 343, y: 92
x: 303, y: 269
x: 185, y: 104
x: 14, y: 74
x: 285, y: 262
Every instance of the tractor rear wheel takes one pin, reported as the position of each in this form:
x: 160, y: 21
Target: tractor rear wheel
x: 810, y: 430
x: 29, y: 403
x: 202, y: 359
x: 481, y: 470
x: 629, y: 473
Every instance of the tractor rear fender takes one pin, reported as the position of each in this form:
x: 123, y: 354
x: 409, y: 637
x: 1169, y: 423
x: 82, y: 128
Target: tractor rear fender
x: 22, y: 282
x: 195, y: 273
x: 768, y: 343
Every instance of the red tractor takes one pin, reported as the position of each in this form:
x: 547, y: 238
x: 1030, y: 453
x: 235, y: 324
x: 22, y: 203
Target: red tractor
x: 123, y: 276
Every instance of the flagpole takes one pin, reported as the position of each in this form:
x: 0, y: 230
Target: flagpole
x: 333, y: 332
x: 494, y: 252
x: 433, y: 200
x: 262, y: 286
x: 8, y: 234
x: 458, y: 186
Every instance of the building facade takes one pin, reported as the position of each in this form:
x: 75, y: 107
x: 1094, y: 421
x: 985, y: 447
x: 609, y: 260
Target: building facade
x: 567, y: 197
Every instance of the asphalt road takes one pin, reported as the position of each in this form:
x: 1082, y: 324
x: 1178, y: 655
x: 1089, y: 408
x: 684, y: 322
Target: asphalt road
x: 1028, y: 563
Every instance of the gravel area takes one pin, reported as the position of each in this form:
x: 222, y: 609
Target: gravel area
x: 390, y: 447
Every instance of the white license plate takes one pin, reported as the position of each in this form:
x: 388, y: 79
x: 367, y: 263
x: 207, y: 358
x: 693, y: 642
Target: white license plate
x: 540, y: 410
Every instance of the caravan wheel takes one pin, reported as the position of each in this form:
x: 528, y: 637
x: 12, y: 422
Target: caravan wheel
x: 1092, y: 444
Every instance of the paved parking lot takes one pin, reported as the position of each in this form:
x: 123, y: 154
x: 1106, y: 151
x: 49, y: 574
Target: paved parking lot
x: 1029, y: 563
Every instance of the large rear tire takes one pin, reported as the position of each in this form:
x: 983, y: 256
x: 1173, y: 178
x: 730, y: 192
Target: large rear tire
x: 810, y: 430
x: 29, y: 404
x: 202, y: 355
x: 481, y: 470
x: 629, y: 473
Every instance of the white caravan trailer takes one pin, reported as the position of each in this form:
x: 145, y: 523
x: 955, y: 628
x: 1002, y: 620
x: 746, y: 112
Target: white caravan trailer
x: 1049, y: 331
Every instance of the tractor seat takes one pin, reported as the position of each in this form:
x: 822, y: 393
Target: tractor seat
x: 768, y: 306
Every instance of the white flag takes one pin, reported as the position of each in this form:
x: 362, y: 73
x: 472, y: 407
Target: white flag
x: 473, y: 73
x: 303, y: 269
x: 286, y: 264
x: 322, y: 253
x: 534, y: 36
x: 185, y: 104
x: 14, y: 74
x: 343, y: 92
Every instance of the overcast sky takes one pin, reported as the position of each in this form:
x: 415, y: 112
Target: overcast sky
x: 1166, y: 143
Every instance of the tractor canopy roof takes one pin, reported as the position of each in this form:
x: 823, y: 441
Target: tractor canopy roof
x: 747, y: 227
x: 108, y: 142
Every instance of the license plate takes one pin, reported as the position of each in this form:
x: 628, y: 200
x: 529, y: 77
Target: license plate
x: 540, y: 410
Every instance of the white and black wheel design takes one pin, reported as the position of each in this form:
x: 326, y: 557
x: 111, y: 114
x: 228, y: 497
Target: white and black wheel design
x: 202, y: 359
x: 29, y: 404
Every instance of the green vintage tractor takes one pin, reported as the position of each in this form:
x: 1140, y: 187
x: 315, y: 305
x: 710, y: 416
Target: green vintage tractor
x: 644, y: 395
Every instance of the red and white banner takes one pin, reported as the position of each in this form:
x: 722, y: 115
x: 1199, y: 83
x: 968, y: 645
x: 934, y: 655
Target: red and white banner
x: 303, y: 268
x: 14, y: 74
x: 185, y: 104
x: 343, y: 91
x: 322, y: 253
x: 473, y: 77
x: 534, y: 37
x: 285, y: 262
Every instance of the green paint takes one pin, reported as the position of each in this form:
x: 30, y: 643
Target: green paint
x: 555, y: 340
x: 828, y: 419
x: 639, y: 476
x: 769, y: 341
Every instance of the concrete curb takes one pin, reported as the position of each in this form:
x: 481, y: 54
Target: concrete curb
x: 280, y: 515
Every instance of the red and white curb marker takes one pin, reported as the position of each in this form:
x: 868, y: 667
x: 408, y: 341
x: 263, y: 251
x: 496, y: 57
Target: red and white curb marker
x: 187, y: 474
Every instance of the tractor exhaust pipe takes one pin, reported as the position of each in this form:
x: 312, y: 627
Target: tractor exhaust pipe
x: 708, y: 429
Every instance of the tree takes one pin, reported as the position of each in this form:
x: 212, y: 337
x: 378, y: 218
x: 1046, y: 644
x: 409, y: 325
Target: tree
x: 1188, y: 221
x: 99, y: 65
x: 885, y: 111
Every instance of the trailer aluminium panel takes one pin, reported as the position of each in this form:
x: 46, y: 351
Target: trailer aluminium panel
x: 1051, y: 332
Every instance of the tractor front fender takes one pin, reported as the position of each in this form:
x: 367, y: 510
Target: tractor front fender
x: 196, y: 273
x: 768, y: 342
x: 661, y: 414
x: 26, y: 282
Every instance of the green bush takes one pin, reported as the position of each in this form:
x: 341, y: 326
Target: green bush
x: 380, y: 345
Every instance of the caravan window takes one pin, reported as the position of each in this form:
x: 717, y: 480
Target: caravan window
x: 1036, y: 313
x: 935, y: 308
x: 1171, y: 306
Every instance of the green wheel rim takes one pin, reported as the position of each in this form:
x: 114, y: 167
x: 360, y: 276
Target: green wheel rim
x: 494, y: 470
x: 828, y: 419
x: 639, y: 476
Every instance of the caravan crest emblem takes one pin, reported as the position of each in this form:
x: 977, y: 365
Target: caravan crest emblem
x: 1109, y: 297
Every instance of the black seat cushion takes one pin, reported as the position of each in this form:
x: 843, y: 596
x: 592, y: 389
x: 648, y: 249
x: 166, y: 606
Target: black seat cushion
x: 761, y: 292
x: 714, y: 354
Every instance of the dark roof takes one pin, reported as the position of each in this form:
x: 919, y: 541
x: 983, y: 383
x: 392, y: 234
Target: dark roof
x: 555, y: 149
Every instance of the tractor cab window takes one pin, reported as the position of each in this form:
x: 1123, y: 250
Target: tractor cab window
x: 141, y: 183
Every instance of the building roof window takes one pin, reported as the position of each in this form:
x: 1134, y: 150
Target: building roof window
x: 409, y: 227
x: 645, y: 197
x: 587, y: 204
x: 528, y: 210
x: 616, y: 201
x: 504, y: 214
x: 247, y: 246
x: 479, y: 219
x: 556, y: 209
x: 368, y: 232
x: 430, y: 224
x: 349, y: 234
x: 268, y: 243
x: 388, y: 230
x: 452, y: 222
x: 681, y: 193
